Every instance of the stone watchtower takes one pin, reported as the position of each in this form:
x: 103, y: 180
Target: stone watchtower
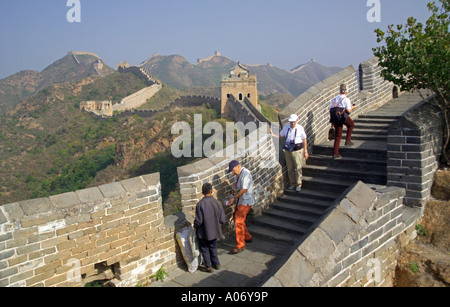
x: 241, y: 85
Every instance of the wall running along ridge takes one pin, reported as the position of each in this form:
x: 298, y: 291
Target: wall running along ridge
x: 118, y: 231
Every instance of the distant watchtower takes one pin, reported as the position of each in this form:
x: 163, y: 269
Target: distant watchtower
x: 241, y: 85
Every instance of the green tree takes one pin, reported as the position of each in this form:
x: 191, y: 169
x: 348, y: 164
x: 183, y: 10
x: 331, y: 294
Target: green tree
x: 416, y: 57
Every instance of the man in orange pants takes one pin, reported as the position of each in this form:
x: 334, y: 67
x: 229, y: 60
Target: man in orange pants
x: 244, y: 199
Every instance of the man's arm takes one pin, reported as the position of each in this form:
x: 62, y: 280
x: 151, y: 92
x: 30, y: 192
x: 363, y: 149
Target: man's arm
x: 198, y: 217
x: 305, y: 147
x: 237, y: 196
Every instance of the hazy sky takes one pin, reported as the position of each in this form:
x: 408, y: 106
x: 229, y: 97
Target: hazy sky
x: 286, y: 33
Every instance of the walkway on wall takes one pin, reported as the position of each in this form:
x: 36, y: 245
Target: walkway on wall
x: 288, y: 221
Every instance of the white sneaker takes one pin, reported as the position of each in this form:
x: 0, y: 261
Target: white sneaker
x: 298, y: 189
x: 291, y: 188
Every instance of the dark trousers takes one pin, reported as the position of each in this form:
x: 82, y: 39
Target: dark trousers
x: 339, y: 127
x: 209, y: 252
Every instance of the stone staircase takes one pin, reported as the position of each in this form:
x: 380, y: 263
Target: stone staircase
x: 325, y: 179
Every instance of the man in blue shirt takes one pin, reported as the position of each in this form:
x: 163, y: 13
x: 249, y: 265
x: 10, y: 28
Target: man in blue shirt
x: 244, y: 199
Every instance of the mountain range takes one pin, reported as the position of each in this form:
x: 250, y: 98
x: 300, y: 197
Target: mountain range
x: 72, y: 67
x: 176, y: 71
x: 172, y: 70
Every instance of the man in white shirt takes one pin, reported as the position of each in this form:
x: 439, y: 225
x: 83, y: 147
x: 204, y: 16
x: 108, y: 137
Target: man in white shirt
x: 342, y: 101
x: 295, y: 150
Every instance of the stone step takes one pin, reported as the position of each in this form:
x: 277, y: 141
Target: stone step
x: 309, y: 197
x: 300, y: 219
x: 369, y: 131
x: 280, y: 224
x: 379, y: 116
x: 370, y: 125
x: 273, y: 234
x: 328, y: 185
x: 365, y: 137
x: 312, y: 211
x: 349, y: 163
x: 376, y: 151
x: 338, y: 172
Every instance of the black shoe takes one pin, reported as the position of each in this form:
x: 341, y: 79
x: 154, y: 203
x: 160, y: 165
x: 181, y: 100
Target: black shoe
x: 217, y: 267
x: 208, y: 270
x: 348, y: 144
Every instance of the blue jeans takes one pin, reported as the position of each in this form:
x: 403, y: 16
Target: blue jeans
x: 209, y: 252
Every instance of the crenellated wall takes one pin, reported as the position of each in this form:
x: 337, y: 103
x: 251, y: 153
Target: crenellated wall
x: 115, y: 231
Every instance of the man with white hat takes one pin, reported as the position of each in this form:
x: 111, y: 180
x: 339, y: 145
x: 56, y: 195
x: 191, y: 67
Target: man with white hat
x: 295, y: 150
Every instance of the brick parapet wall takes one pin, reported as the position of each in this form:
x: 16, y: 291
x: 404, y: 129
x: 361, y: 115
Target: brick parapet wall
x: 66, y: 240
x: 137, y: 99
x: 181, y: 102
x: 259, y: 157
x: 414, y: 147
x: 356, y: 244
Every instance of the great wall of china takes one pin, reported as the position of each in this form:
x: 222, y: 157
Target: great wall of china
x: 131, y: 102
x: 117, y: 231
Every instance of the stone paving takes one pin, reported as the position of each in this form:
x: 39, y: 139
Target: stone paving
x: 249, y: 268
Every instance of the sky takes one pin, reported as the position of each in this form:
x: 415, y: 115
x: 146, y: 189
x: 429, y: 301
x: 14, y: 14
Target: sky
x: 285, y: 33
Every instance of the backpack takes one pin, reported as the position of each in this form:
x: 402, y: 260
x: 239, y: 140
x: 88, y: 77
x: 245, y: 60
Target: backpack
x: 338, y: 115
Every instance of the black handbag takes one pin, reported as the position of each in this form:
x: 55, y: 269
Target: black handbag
x: 331, y: 134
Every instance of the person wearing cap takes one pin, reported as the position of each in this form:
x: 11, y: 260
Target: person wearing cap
x: 342, y: 101
x: 244, y: 199
x: 209, y: 216
x: 295, y: 151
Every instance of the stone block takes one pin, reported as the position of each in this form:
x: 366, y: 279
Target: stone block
x: 350, y: 209
x: 337, y: 225
x: 13, y: 211
x: 112, y: 189
x: 89, y: 195
x: 2, y: 218
x: 152, y: 180
x: 362, y: 196
x: 64, y: 200
x: 317, y: 247
x: 204, y: 165
x: 134, y: 184
x: 187, y: 171
x: 296, y: 272
x: 36, y: 206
